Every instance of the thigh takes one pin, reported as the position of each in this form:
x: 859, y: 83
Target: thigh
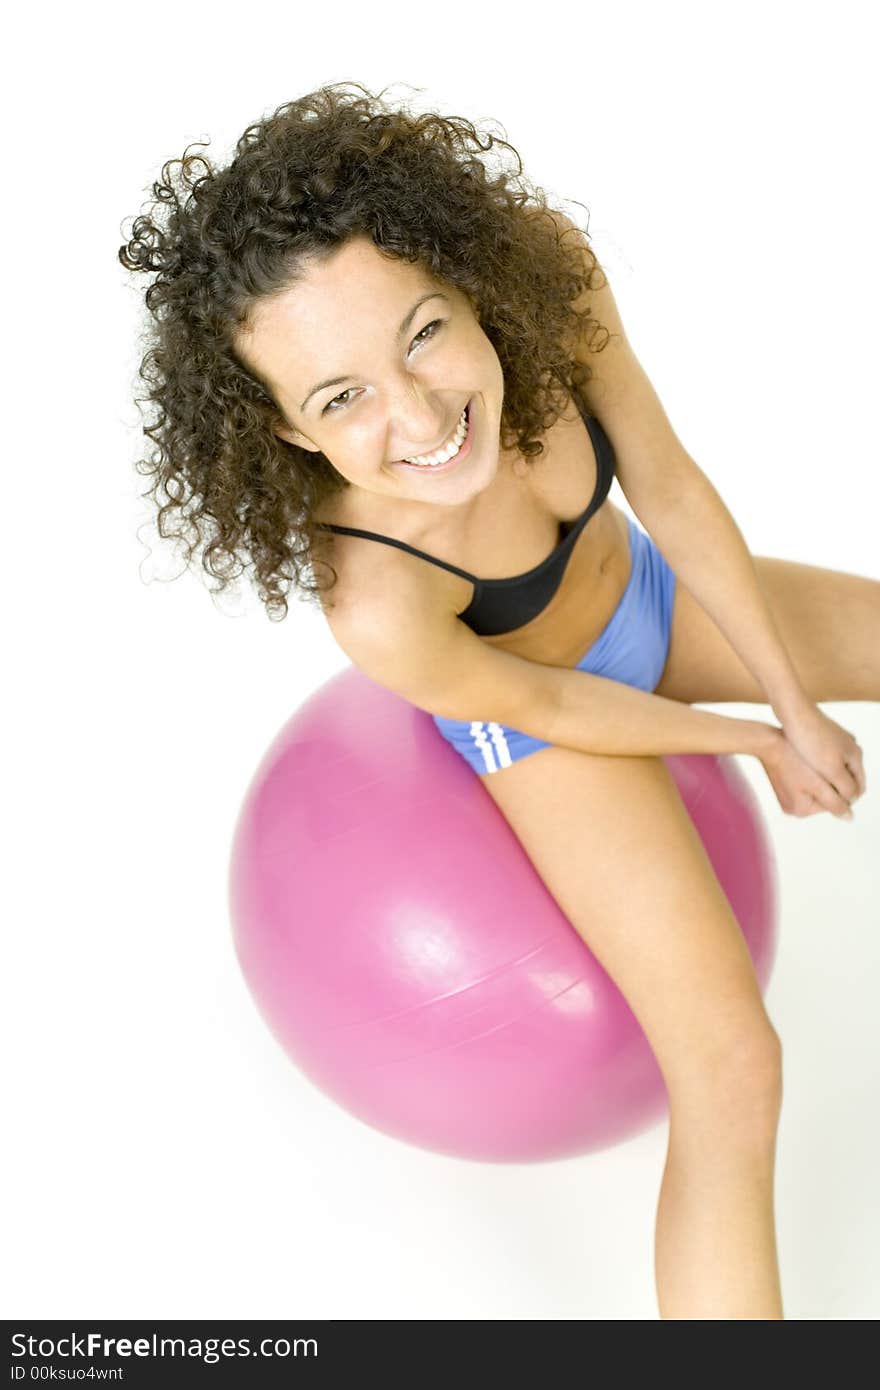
x: 829, y: 622
x: 614, y: 844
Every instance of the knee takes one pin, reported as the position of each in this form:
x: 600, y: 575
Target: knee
x: 737, y: 1088
x: 754, y: 1075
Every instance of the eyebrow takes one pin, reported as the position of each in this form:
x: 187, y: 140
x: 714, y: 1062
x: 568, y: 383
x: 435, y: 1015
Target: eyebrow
x: 338, y: 380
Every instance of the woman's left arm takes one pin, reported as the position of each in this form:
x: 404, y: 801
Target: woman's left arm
x: 675, y: 501
x: 702, y: 543
x: 683, y: 512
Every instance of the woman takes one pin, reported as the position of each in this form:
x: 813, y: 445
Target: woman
x: 376, y: 362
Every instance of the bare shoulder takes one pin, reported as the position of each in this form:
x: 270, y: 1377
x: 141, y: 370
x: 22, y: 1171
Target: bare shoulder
x: 394, y: 619
x: 375, y: 582
x: 398, y: 626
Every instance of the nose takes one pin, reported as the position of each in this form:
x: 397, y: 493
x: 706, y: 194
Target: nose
x: 422, y: 426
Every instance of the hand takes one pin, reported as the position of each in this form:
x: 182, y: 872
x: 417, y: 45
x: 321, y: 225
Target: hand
x: 800, y: 789
x: 829, y: 749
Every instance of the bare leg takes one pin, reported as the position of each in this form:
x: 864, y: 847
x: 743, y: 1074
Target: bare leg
x: 715, y: 1245
x: 614, y: 844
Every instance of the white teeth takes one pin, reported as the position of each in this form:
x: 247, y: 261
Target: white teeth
x: 444, y: 455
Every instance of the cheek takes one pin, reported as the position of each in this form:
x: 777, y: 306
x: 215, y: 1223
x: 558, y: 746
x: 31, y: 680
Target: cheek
x: 355, y: 452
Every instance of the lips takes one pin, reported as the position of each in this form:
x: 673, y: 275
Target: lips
x: 446, y: 442
x: 428, y: 471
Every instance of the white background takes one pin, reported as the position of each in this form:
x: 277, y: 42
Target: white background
x: 164, y: 1158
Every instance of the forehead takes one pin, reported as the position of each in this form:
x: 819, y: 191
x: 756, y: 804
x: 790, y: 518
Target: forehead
x: 355, y: 285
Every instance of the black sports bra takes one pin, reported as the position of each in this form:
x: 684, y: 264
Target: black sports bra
x: 500, y: 605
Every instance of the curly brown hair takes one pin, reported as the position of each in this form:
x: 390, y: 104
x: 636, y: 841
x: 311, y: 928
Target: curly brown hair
x: 302, y: 181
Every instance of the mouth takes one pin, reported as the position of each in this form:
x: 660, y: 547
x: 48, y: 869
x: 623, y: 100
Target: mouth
x: 447, y: 465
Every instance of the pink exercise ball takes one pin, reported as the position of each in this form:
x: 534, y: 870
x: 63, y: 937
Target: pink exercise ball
x: 411, y: 962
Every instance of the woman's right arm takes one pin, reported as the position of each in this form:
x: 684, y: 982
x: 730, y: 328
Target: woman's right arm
x: 598, y: 715
x: 412, y: 644
x: 623, y: 719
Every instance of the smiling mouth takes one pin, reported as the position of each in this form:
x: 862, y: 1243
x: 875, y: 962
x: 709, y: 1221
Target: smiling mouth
x: 464, y: 422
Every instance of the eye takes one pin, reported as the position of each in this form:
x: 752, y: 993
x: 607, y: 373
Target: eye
x: 331, y: 407
x: 435, y: 323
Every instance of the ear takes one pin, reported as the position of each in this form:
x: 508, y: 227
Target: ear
x: 293, y: 436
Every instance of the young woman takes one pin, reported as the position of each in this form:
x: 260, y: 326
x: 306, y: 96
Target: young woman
x: 376, y: 362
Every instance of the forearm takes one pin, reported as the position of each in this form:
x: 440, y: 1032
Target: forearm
x: 596, y: 715
x: 702, y: 543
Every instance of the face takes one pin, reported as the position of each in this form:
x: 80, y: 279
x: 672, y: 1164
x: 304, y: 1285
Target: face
x: 387, y: 397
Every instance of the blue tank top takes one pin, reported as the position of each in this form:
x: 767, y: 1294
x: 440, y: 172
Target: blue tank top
x: 500, y: 605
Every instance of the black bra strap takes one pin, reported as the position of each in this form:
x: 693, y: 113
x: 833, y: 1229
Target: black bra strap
x: 604, y: 459
x: 401, y: 545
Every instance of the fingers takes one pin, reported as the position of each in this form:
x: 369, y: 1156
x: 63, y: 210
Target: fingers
x: 826, y: 795
x: 850, y: 780
x: 845, y: 783
x: 856, y: 766
x: 853, y: 762
x: 804, y: 789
